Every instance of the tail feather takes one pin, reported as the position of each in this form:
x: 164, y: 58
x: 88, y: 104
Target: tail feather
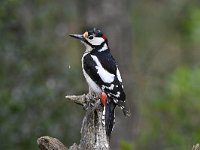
x: 109, y: 116
x: 124, y: 108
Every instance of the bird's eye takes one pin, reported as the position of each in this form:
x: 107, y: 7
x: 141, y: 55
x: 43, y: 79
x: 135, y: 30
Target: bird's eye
x: 91, y: 37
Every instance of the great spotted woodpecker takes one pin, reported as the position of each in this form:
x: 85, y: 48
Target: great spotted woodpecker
x: 102, y: 74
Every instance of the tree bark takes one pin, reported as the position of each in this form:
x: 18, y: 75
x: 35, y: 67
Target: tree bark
x: 93, y: 133
x: 49, y: 143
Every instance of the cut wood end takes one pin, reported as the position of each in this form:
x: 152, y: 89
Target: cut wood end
x: 70, y: 96
x: 73, y: 97
x: 50, y: 143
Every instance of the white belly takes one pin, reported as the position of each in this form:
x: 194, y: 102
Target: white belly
x: 90, y: 82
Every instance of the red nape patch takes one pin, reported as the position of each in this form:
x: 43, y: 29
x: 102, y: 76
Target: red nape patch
x: 104, y: 36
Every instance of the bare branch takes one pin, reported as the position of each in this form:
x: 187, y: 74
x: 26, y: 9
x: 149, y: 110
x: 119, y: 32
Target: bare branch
x: 49, y: 143
x: 80, y: 99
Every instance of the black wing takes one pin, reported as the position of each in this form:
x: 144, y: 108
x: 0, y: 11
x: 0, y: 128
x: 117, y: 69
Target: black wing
x: 113, y: 89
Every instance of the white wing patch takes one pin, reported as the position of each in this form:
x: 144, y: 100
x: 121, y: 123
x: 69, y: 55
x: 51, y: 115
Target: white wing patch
x: 104, y: 74
x: 116, y: 101
x: 116, y: 95
x: 108, y: 87
x: 119, y: 76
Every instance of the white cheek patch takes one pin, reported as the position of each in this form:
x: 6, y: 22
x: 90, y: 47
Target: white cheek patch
x: 104, y: 74
x: 96, y: 41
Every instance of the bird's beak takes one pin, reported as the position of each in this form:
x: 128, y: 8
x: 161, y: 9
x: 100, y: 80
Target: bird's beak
x: 77, y: 36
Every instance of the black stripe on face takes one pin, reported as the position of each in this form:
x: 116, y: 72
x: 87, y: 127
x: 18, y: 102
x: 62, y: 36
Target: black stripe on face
x: 95, y: 46
x: 88, y: 43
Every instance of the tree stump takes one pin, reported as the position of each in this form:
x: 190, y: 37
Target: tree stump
x: 93, y: 133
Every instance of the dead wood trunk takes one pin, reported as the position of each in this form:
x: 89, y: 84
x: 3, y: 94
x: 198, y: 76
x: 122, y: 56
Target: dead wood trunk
x: 93, y: 134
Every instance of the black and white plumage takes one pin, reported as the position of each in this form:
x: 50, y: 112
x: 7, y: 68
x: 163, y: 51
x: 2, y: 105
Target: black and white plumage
x: 102, y: 74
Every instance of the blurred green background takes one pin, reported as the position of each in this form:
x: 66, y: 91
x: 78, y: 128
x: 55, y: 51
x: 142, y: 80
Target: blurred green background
x: 156, y: 44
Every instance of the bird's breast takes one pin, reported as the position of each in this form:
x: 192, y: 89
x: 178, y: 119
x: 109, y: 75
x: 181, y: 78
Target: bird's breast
x: 90, y: 82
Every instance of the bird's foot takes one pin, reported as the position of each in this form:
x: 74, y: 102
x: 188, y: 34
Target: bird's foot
x: 94, y: 102
x: 91, y: 101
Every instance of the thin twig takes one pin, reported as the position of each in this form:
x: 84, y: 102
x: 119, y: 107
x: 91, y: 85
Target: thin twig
x: 80, y: 99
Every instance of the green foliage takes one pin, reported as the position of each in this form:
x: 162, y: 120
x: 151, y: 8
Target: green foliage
x: 192, y: 23
x: 124, y: 145
x: 172, y: 118
x: 34, y: 75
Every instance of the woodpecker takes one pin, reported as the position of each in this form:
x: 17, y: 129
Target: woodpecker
x: 102, y: 74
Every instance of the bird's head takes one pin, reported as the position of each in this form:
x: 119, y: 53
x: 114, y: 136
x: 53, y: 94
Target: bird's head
x: 91, y: 38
